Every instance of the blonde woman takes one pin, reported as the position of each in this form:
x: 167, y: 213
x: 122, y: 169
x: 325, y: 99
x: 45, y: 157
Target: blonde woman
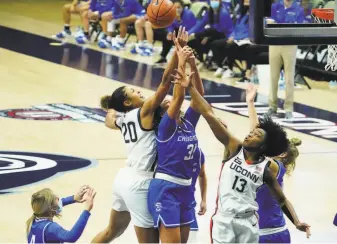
x: 46, y: 205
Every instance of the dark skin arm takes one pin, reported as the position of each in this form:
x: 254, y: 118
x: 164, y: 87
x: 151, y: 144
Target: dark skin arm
x: 219, y: 130
x: 272, y: 183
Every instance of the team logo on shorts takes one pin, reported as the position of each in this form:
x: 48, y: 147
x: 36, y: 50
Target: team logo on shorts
x: 158, y: 206
x: 18, y: 169
x: 56, y: 111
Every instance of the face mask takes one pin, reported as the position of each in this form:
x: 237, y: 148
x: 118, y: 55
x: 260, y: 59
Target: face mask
x: 215, y: 4
x: 59, y: 207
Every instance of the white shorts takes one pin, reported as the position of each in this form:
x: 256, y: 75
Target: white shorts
x: 129, y: 192
x: 227, y: 229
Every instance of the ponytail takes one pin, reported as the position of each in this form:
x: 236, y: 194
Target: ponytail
x: 29, y: 223
x: 105, y: 102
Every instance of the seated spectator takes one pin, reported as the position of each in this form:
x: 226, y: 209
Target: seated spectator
x: 97, y: 8
x: 46, y: 205
x: 76, y: 7
x: 215, y: 24
x: 231, y: 48
x: 288, y: 12
x: 126, y: 12
x: 184, y: 17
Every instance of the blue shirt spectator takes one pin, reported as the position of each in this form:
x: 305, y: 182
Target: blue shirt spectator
x: 292, y: 14
x: 241, y: 28
x: 100, y: 5
x: 221, y: 21
x: 187, y: 19
x: 125, y: 8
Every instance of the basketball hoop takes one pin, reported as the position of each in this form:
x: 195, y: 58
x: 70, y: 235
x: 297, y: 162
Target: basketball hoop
x: 326, y: 15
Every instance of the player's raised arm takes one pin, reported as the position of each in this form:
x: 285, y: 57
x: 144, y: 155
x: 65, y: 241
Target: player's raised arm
x: 219, y: 129
x: 250, y: 96
x: 286, y: 206
x: 152, y: 103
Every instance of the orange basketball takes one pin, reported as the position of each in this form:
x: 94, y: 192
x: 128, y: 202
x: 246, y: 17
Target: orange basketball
x: 161, y: 13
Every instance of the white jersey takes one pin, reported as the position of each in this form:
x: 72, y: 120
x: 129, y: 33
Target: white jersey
x: 140, y: 143
x: 239, y: 182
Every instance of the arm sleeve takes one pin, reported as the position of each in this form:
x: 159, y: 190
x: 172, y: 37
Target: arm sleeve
x: 191, y: 21
x: 167, y: 127
x: 67, y: 200
x: 200, y: 24
x: 56, y: 233
x: 192, y: 116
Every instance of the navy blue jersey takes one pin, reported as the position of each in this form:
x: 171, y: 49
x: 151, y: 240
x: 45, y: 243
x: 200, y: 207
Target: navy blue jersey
x: 270, y: 213
x: 178, y: 150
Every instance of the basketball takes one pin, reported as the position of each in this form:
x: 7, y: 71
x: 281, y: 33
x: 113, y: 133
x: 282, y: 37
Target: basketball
x: 161, y: 13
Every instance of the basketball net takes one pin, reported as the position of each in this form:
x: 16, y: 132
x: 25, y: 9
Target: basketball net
x: 326, y: 15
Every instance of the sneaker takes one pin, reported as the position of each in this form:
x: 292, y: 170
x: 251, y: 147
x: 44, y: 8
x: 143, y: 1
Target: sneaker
x: 161, y: 61
x: 218, y: 73
x: 147, y: 52
x: 104, y: 43
x: 62, y: 34
x: 227, y: 74
x: 79, y: 32
x: 138, y: 48
x: 272, y: 112
x: 82, y: 40
x: 289, y: 115
x: 117, y: 43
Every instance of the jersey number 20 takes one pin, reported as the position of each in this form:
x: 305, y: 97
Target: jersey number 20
x: 241, y: 186
x: 129, y: 132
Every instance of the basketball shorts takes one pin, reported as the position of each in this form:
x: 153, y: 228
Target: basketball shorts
x: 170, y: 204
x: 194, y: 225
x: 101, y: 9
x: 280, y: 237
x: 130, y: 190
x: 227, y: 229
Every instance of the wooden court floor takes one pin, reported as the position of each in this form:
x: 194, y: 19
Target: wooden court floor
x: 26, y: 81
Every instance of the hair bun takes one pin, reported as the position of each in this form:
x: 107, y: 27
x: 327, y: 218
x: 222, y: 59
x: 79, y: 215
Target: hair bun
x: 295, y: 141
x: 105, y: 102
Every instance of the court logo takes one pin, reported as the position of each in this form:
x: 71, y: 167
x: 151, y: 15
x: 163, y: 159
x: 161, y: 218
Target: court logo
x: 56, y: 111
x: 19, y: 169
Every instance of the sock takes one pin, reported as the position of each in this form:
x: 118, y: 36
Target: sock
x: 67, y: 28
x: 111, y: 26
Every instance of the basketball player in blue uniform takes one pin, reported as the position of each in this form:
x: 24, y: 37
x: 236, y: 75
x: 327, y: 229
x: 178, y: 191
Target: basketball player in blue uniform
x: 272, y: 224
x: 171, y: 194
x: 137, y: 124
x: 245, y: 170
x: 46, y: 205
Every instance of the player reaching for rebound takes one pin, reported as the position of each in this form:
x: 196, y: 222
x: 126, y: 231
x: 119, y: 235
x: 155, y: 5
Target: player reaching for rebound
x: 272, y: 224
x: 131, y: 183
x: 245, y: 170
x: 170, y: 197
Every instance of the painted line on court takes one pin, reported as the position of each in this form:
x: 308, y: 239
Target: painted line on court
x: 212, y: 96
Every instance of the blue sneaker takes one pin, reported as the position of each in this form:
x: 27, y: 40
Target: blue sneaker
x: 62, y: 34
x: 104, y: 43
x: 147, y: 52
x: 82, y: 40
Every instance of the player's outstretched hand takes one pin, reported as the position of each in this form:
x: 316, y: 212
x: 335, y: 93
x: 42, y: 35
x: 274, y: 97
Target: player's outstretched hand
x: 203, y: 208
x: 181, y: 37
x: 89, y: 197
x: 78, y: 197
x: 181, y: 79
x: 305, y: 228
x: 250, y: 93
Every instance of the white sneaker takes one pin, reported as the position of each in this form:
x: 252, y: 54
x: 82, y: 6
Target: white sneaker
x: 218, y: 73
x: 227, y: 74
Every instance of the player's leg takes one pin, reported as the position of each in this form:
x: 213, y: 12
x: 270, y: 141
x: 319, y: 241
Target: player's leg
x: 247, y: 229
x: 275, y: 62
x: 120, y: 40
x: 147, y: 235
x: 118, y: 223
x: 184, y: 233
x: 289, y: 60
x: 281, y: 237
x: 85, y: 17
x: 105, y: 40
x: 222, y: 230
x: 66, y: 15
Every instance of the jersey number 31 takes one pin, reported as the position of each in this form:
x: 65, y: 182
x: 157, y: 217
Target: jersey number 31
x: 191, y: 149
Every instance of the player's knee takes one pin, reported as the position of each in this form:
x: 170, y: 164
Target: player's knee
x: 148, y: 25
x: 139, y: 23
x: 67, y: 7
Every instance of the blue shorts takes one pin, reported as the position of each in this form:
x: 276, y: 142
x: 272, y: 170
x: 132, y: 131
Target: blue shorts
x: 280, y: 237
x: 170, y: 203
x: 194, y: 225
x: 101, y: 9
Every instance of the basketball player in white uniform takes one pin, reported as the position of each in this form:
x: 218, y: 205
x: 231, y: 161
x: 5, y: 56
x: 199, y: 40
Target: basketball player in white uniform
x: 245, y: 170
x: 136, y: 120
